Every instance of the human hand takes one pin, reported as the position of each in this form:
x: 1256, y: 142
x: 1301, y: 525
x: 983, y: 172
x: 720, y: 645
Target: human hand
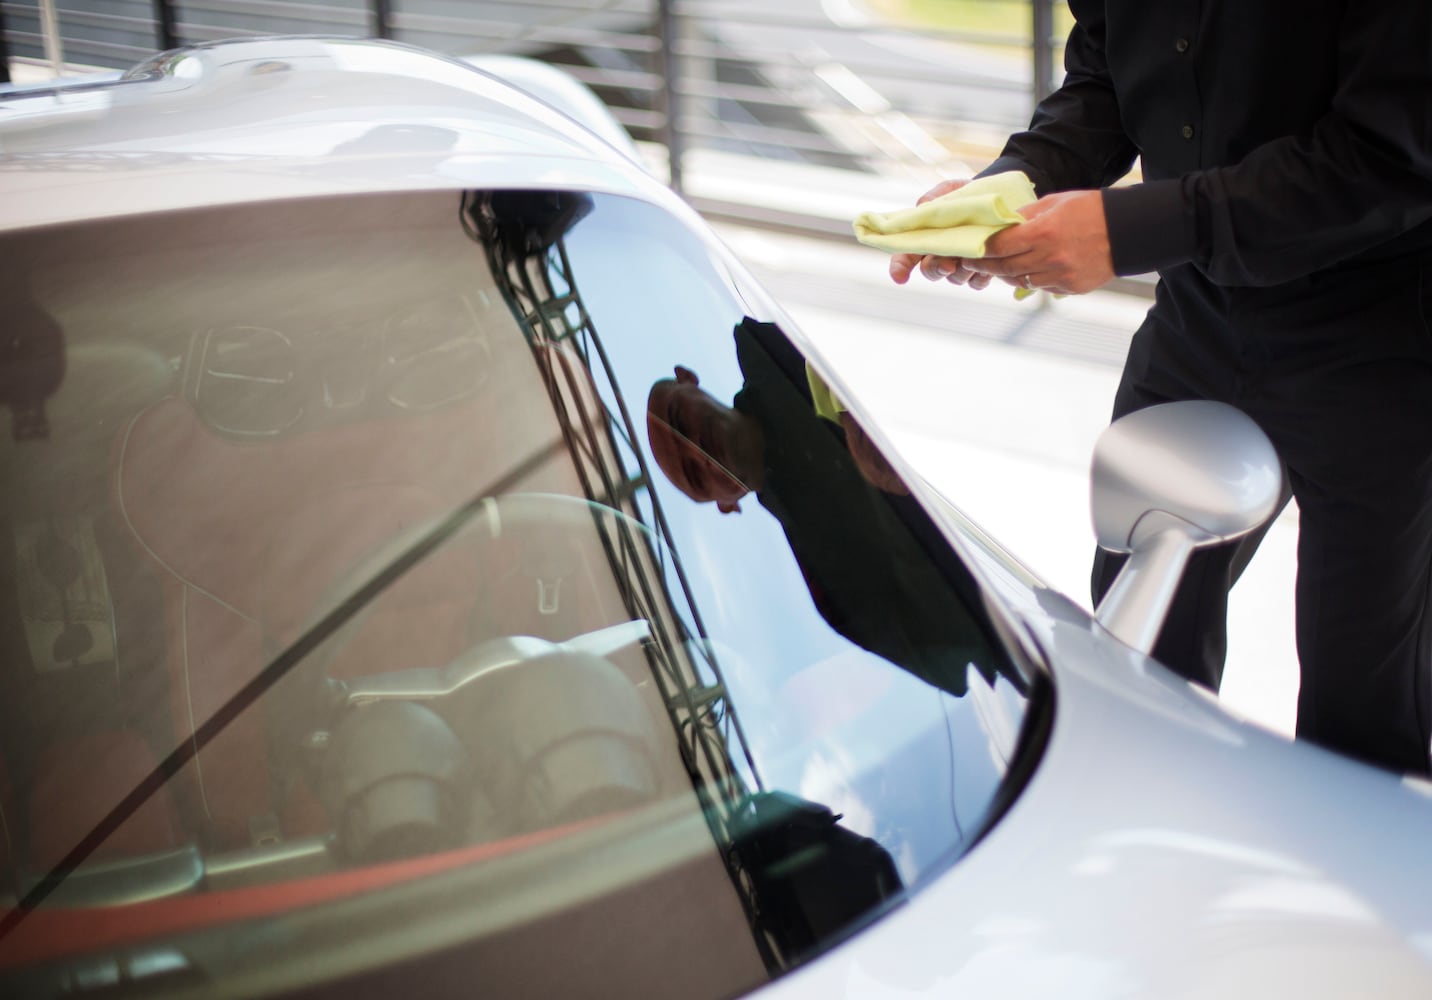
x: 868, y: 460
x: 935, y: 268
x: 1062, y: 247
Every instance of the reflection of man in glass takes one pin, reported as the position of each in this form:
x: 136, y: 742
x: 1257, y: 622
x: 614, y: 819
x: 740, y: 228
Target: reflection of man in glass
x: 855, y: 535
x: 716, y: 453
x: 710, y: 451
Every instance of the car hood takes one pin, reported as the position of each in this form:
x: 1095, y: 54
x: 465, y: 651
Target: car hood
x: 252, y: 120
x: 1164, y: 848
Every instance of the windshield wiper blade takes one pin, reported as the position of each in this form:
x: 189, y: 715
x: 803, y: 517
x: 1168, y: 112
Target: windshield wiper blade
x: 266, y: 678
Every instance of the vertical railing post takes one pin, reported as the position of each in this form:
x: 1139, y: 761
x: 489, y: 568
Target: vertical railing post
x: 4, y: 50
x: 50, y: 35
x: 381, y: 11
x: 164, y: 32
x: 1043, y: 48
x: 670, y: 102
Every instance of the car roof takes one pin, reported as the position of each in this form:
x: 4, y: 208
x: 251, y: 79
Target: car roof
x: 257, y: 119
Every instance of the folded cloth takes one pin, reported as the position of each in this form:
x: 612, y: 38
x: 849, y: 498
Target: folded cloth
x: 953, y: 225
x: 827, y: 403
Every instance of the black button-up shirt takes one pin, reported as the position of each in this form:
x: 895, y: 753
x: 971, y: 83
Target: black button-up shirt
x: 1278, y: 137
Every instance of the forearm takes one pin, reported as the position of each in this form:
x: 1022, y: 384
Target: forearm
x: 1076, y: 137
x: 1074, y: 141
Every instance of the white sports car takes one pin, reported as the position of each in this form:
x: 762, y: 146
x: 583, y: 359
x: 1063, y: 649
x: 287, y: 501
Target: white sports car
x: 429, y: 563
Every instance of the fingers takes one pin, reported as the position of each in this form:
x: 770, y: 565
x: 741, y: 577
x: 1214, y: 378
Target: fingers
x: 977, y: 274
x: 962, y: 275
x: 1011, y: 255
x: 939, y: 268
x: 931, y: 267
x: 1045, y: 282
x: 955, y: 270
x: 901, y: 266
x: 1011, y: 269
x: 942, y: 188
x: 1016, y: 241
x: 1063, y: 247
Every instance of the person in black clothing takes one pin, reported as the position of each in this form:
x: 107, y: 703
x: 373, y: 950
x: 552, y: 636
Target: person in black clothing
x: 867, y: 551
x: 1286, y: 203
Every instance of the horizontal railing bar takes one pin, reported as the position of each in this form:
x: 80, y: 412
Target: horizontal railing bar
x: 626, y: 79
x: 708, y: 88
x: 644, y: 8
x: 318, y: 13
x: 507, y: 31
x: 139, y: 25
x: 190, y: 32
x: 766, y: 135
x: 765, y: 18
x: 636, y: 118
x: 126, y: 54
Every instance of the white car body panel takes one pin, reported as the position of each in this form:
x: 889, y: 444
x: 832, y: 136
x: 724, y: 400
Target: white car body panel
x: 1208, y: 858
x: 561, y: 90
x: 162, y: 140
x: 1163, y: 848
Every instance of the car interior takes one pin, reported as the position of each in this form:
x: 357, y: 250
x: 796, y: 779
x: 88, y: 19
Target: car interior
x: 222, y: 458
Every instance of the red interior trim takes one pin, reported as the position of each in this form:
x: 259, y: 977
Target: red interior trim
x: 45, y: 934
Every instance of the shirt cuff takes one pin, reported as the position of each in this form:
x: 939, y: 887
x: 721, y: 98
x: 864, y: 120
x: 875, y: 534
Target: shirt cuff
x: 1005, y: 164
x: 1151, y: 226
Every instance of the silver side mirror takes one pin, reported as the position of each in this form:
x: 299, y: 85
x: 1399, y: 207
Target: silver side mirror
x: 1168, y: 480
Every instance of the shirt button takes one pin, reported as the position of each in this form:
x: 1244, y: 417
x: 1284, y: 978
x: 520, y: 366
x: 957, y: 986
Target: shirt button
x: 1181, y: 45
x: 1188, y: 131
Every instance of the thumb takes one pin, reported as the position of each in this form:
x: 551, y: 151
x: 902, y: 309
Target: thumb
x: 1037, y: 208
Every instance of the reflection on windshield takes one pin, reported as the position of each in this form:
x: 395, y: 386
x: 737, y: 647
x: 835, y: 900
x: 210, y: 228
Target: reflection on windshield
x: 378, y: 579
x: 834, y: 497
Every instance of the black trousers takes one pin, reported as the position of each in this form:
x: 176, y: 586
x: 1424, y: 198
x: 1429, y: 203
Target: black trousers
x: 1337, y: 370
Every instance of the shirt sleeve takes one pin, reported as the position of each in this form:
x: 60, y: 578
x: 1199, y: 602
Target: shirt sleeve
x: 1076, y: 138
x: 1360, y: 178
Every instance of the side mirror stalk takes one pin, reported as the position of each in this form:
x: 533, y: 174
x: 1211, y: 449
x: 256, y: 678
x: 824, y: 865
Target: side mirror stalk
x: 1135, y: 606
x: 1166, y: 481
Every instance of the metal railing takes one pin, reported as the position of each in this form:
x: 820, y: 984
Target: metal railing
x: 833, y: 83
x: 788, y: 81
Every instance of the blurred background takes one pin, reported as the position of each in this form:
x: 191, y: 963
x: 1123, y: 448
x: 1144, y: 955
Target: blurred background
x: 780, y: 122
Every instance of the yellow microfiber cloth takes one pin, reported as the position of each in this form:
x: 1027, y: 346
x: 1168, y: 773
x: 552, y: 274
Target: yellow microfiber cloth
x: 955, y: 224
x: 827, y: 403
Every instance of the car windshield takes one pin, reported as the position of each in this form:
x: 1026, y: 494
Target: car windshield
x: 472, y: 579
